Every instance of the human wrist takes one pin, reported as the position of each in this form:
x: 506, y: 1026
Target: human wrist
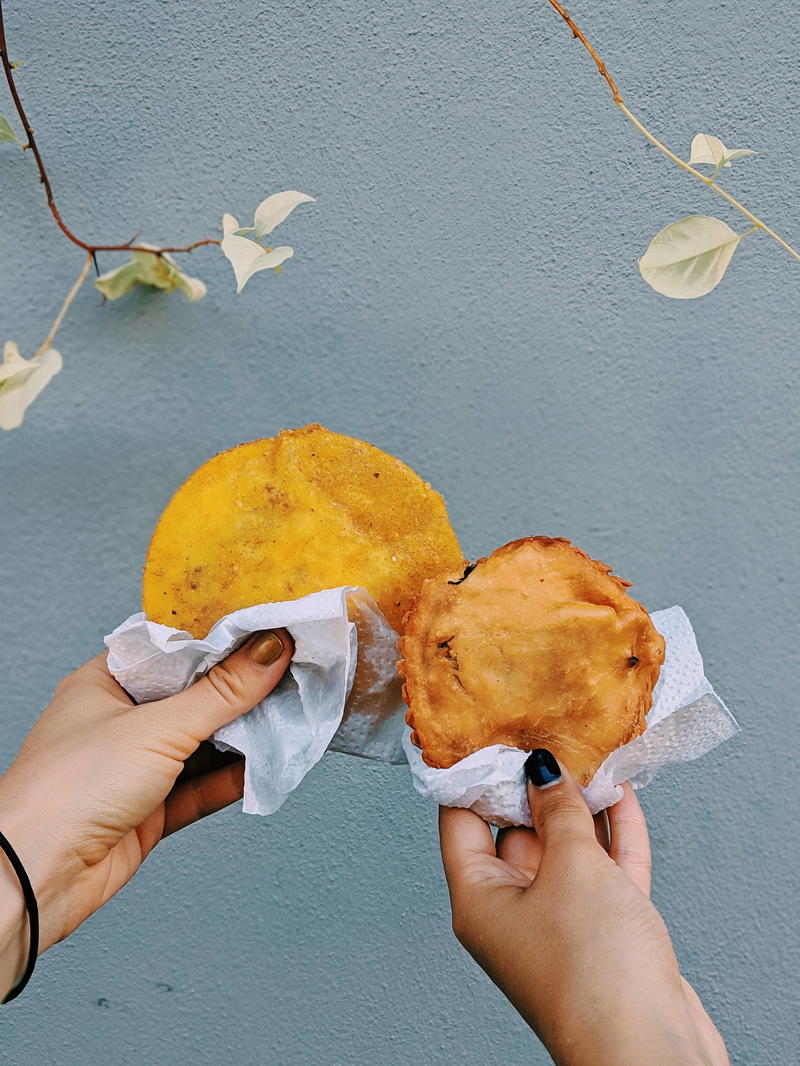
x: 664, y: 1037
x: 26, y: 824
x: 14, y: 940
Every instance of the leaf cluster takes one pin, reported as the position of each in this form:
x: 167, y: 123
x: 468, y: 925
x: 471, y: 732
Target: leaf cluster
x: 688, y: 258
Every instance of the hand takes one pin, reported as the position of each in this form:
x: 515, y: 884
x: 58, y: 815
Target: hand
x: 99, y: 781
x: 568, y: 933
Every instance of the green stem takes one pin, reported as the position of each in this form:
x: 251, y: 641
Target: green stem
x: 757, y: 223
x: 73, y: 292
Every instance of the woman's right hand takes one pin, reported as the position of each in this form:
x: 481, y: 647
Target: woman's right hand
x: 568, y: 932
x: 99, y: 782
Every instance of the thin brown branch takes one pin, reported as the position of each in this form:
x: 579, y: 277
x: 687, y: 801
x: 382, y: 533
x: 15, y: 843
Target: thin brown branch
x: 579, y: 34
x: 90, y: 249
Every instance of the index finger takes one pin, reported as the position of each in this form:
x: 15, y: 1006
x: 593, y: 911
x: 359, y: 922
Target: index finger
x: 466, y: 841
x: 630, y: 841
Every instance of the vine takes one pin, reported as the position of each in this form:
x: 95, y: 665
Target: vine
x: 21, y: 380
x: 686, y: 259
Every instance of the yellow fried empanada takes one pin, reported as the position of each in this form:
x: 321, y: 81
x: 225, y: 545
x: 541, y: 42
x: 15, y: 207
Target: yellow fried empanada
x: 537, y: 646
x: 282, y: 517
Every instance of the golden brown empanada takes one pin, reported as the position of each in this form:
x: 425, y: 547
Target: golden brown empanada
x: 537, y: 646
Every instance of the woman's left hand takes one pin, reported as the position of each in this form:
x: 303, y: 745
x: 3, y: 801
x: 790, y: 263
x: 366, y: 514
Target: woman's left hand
x: 567, y: 931
x: 99, y: 781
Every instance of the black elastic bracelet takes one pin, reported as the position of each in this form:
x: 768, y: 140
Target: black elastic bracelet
x: 33, y: 917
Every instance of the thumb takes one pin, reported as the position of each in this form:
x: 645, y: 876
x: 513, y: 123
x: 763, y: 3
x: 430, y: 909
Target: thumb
x: 230, y: 688
x: 560, y: 814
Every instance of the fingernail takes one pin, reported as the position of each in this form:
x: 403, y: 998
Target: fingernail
x: 265, y: 648
x: 542, y: 768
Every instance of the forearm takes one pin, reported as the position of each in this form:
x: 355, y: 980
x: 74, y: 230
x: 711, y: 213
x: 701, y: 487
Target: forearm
x: 604, y: 1024
x: 628, y: 1040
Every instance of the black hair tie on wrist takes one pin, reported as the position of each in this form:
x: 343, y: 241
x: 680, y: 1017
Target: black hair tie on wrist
x: 33, y: 917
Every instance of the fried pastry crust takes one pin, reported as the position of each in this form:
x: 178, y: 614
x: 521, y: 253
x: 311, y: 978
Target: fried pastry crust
x: 279, y: 518
x: 537, y: 646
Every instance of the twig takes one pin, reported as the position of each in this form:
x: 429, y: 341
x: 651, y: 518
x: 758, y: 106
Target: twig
x: 73, y: 292
x: 757, y: 223
x: 579, y: 34
x: 90, y: 249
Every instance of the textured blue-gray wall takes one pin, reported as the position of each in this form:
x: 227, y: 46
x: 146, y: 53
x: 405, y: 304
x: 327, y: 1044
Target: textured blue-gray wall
x: 465, y: 296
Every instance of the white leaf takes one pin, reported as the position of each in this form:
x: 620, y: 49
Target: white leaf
x: 192, y: 288
x: 155, y: 271
x: 708, y: 150
x: 115, y: 283
x: 738, y: 153
x: 247, y: 258
x: 229, y: 224
x: 688, y: 258
x: 272, y: 211
x: 6, y: 130
x: 21, y: 381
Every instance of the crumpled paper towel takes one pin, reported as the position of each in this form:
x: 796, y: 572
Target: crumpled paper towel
x: 687, y: 720
x: 284, y: 735
x: 316, y: 707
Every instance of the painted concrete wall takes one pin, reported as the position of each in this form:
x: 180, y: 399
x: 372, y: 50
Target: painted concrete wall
x: 464, y: 295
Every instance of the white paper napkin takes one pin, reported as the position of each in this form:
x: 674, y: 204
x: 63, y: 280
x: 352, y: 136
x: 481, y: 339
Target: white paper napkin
x: 316, y: 707
x: 284, y: 735
x: 687, y: 720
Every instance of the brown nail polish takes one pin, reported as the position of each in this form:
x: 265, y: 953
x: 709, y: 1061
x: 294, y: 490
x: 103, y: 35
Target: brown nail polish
x: 265, y: 648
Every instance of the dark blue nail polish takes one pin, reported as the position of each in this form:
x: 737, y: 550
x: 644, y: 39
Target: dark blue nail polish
x: 542, y: 768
